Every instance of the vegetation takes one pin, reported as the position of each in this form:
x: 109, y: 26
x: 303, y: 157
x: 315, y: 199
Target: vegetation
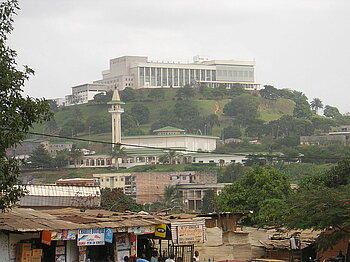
x: 17, y: 113
x: 116, y: 200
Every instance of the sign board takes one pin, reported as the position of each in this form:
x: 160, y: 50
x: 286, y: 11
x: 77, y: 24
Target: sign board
x: 91, y: 237
x: 188, y: 232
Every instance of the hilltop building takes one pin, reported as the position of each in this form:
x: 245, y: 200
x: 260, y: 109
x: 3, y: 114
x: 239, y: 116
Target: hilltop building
x: 137, y: 72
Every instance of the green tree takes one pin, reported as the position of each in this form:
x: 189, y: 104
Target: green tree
x: 302, y: 109
x: 51, y: 126
x: 269, y: 92
x: 316, y: 104
x: 323, y: 203
x: 140, y: 113
x: 322, y: 123
x: 97, y: 124
x: 156, y: 94
x: 242, y: 108
x: 209, y: 122
x: 254, y: 192
x: 103, y: 98
x: 171, y: 157
x: 17, y: 113
x: 117, y: 152
x: 75, y: 154
x: 128, y: 94
x: 208, y: 204
x: 232, y: 132
x: 171, y: 197
x: 53, y: 105
x: 332, y: 112
x: 72, y: 127
x: 232, y: 173
x: 186, y: 92
x: 40, y: 158
x: 61, y: 159
x: 115, y: 200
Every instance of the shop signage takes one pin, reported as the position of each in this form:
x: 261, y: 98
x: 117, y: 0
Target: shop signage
x: 91, y: 237
x: 123, y: 241
x: 109, y: 235
x: 160, y: 230
x: 150, y: 229
x: 137, y: 230
x: 46, y: 238
x: 186, y: 233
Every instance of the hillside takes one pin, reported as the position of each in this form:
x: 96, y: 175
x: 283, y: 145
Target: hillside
x: 268, y: 110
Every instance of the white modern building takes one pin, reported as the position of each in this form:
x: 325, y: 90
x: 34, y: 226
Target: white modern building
x: 137, y: 72
x: 81, y: 94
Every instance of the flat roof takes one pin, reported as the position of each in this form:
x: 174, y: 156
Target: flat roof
x: 169, y: 135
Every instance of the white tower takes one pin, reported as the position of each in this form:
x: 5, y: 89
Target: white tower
x: 116, y: 110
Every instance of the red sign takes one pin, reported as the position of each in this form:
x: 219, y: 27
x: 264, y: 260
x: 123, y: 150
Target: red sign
x: 46, y: 238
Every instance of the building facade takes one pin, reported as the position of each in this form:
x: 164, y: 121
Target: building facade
x: 81, y: 94
x: 137, y: 72
x: 148, y: 187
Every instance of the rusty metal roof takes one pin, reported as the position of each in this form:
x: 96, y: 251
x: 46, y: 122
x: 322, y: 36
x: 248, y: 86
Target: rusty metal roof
x: 29, y: 220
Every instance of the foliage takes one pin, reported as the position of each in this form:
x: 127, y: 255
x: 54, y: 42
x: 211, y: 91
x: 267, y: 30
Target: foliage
x: 322, y: 123
x: 17, y: 113
x: 96, y: 125
x: 232, y: 132
x: 316, y: 104
x: 171, y: 197
x: 242, y: 108
x: 156, y: 94
x: 269, y: 92
x: 302, y: 109
x: 140, y: 113
x: 128, y: 94
x: 232, y: 173
x: 208, y: 204
x: 103, y: 98
x: 75, y: 154
x: 186, y: 92
x: 53, y: 105
x: 61, y: 159
x: 254, y: 192
x: 72, y: 127
x: 117, y: 152
x: 332, y: 112
x: 116, y: 200
x: 40, y: 158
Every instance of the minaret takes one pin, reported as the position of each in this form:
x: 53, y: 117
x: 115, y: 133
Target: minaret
x: 116, y: 110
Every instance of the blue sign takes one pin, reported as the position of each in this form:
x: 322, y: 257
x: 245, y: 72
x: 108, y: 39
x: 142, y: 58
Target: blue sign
x: 108, y: 235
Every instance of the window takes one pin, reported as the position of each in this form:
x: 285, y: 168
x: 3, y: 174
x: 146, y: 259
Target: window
x: 183, y: 178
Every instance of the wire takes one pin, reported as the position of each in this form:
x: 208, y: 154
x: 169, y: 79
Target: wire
x: 184, y: 150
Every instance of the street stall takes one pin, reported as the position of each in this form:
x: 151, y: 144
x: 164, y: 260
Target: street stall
x: 74, y: 235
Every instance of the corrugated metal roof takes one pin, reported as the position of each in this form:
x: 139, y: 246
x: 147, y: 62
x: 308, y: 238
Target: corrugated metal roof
x: 29, y: 220
x: 61, y: 190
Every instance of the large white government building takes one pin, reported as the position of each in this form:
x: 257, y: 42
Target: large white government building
x: 137, y: 72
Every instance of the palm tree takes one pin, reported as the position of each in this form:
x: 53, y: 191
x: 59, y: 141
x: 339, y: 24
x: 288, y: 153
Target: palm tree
x: 116, y: 153
x: 170, y: 157
x: 171, y: 196
x: 316, y: 104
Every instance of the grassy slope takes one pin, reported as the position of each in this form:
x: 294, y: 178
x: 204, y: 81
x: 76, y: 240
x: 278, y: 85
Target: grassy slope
x: 269, y: 110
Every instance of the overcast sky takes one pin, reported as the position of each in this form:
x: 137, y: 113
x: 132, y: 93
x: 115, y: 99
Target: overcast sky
x: 298, y: 44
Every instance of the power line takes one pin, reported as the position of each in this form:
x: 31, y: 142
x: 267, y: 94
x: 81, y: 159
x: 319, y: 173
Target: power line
x: 184, y: 150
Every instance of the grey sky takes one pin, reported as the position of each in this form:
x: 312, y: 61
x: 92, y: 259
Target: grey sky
x: 297, y: 44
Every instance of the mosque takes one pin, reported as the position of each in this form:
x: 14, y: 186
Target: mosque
x: 147, y: 149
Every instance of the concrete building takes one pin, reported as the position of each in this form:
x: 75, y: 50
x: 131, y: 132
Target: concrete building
x: 148, y: 187
x: 137, y: 72
x: 27, y: 146
x: 192, y: 194
x: 81, y: 94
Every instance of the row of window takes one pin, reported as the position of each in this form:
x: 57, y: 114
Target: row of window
x: 152, y: 76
